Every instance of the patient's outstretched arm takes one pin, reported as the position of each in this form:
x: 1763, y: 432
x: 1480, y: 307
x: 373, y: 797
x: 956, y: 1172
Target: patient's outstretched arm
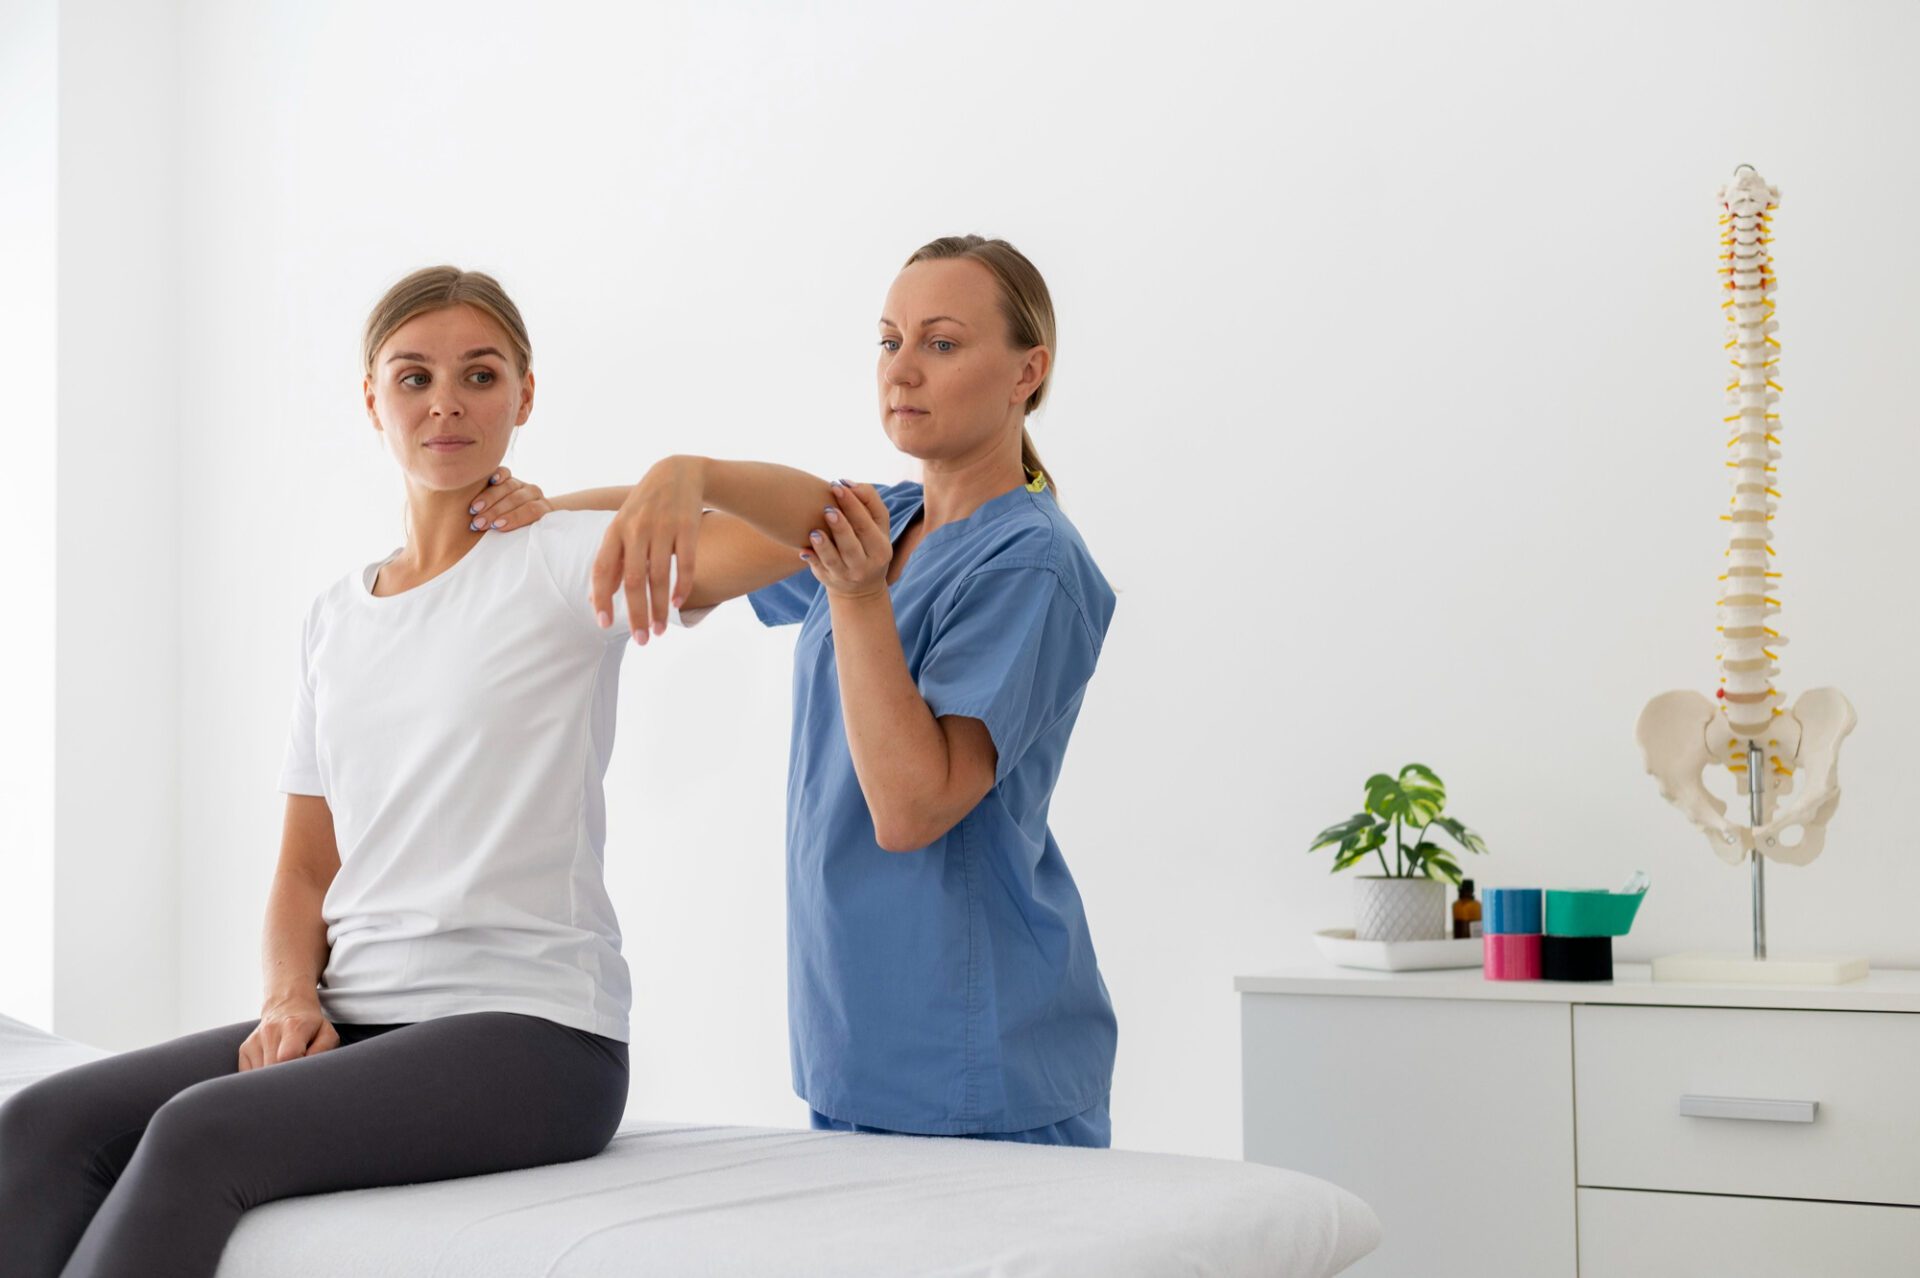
x: 695, y: 531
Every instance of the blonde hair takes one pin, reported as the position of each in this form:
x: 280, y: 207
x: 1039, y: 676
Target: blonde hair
x: 436, y: 288
x: 1025, y: 304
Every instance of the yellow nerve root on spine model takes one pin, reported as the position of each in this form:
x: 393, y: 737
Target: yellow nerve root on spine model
x: 1682, y: 734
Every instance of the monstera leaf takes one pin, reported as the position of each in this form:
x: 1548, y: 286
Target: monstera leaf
x: 1399, y: 808
x: 1433, y: 861
x: 1461, y: 834
x: 1354, y: 838
x: 1415, y: 797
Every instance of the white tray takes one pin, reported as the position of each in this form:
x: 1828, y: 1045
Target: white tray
x: 1339, y: 948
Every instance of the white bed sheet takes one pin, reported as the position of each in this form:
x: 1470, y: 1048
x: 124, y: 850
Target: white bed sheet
x: 672, y: 1199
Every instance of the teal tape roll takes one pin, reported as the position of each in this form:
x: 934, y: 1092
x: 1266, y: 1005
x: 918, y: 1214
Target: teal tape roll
x: 1591, y: 913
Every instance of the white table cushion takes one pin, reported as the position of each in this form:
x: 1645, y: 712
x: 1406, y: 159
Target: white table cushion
x: 674, y: 1199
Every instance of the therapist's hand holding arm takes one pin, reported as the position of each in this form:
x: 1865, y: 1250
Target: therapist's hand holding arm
x: 920, y: 775
x: 294, y: 949
x: 721, y: 528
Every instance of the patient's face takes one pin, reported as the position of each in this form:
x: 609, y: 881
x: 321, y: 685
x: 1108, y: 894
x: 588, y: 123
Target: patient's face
x: 949, y: 379
x: 445, y: 397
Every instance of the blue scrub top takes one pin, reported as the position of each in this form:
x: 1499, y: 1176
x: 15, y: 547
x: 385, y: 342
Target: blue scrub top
x: 953, y: 990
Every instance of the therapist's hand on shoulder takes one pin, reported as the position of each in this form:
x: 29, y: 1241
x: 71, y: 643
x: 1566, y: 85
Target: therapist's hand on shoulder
x: 506, y: 503
x: 288, y: 1030
x: 852, y: 557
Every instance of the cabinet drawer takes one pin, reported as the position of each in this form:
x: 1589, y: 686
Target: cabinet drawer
x: 1747, y: 1075
x: 1627, y: 1234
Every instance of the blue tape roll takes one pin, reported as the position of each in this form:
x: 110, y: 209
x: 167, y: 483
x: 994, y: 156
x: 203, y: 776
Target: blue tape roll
x: 1510, y: 911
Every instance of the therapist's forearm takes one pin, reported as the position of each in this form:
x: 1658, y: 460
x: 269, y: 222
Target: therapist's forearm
x: 592, y: 499
x: 900, y: 754
x: 294, y: 948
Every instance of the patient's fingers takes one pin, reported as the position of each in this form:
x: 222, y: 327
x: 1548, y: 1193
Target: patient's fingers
x: 607, y: 568
x: 290, y: 1044
x: 636, y: 587
x: 326, y: 1040
x: 683, y: 549
x: 658, y: 589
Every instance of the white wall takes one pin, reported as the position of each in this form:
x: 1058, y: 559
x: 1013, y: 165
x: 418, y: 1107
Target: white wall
x: 29, y: 124
x: 1387, y: 398
x: 117, y: 680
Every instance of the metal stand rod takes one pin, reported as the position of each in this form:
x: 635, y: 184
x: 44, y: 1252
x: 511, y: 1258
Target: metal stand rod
x: 1756, y: 780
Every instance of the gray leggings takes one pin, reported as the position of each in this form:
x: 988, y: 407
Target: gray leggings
x: 142, y: 1163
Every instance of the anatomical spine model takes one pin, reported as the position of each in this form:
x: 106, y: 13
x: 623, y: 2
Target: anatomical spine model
x: 1683, y: 733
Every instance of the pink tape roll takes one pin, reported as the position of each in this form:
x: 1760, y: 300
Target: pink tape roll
x: 1511, y: 958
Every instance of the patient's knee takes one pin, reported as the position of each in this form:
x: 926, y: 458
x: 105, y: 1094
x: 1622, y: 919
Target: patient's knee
x: 45, y: 1126
x: 196, y: 1126
x: 204, y: 1136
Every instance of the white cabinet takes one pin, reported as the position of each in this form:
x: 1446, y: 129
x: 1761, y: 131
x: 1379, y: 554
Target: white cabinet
x: 1803, y: 1104
x: 1627, y: 1234
x: 1547, y: 1130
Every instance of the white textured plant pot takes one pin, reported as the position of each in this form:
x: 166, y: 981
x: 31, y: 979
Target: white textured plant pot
x: 1387, y: 909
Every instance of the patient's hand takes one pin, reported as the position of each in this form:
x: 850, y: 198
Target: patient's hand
x: 656, y: 531
x: 288, y: 1029
x: 508, y: 504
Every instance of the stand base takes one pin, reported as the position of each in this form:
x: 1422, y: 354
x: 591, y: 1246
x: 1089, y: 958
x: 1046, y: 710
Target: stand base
x: 1720, y: 969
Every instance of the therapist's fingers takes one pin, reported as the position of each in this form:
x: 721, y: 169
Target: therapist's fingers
x: 827, y: 554
x: 846, y: 540
x: 498, y: 487
x: 874, y: 503
x: 608, y: 566
x: 520, y: 505
x: 873, y: 535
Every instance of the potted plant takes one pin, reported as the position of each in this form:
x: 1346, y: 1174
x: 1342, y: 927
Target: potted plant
x: 1407, y: 901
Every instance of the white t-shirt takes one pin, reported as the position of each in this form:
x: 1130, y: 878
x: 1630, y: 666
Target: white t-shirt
x: 460, y: 732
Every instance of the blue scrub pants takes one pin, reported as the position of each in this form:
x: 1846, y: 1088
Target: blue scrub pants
x: 1089, y: 1129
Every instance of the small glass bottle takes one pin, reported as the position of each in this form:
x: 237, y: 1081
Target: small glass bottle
x: 1466, y: 913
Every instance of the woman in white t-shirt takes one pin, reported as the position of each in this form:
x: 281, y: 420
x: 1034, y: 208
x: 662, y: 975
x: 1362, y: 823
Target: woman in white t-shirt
x: 445, y: 994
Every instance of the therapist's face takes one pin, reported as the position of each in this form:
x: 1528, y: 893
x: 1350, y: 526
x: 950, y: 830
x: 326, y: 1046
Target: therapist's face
x: 445, y: 396
x: 952, y: 386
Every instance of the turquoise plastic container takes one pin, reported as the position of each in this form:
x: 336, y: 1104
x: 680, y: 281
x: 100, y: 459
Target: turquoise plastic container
x: 1592, y: 912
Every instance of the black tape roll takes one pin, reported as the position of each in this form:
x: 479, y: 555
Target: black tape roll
x: 1576, y: 958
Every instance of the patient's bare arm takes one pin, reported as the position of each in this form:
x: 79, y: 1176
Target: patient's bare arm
x: 721, y: 528
x: 748, y: 521
x: 294, y: 946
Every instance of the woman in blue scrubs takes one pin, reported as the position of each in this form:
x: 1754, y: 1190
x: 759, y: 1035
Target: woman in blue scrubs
x: 941, y: 976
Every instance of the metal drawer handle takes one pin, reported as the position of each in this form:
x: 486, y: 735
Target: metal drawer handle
x: 1765, y: 1111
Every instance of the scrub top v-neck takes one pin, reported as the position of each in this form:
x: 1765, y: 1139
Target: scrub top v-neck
x: 952, y: 990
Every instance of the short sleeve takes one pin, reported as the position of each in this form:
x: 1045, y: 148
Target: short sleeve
x: 300, y: 768
x: 786, y: 601
x: 1014, y: 652
x: 568, y: 541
